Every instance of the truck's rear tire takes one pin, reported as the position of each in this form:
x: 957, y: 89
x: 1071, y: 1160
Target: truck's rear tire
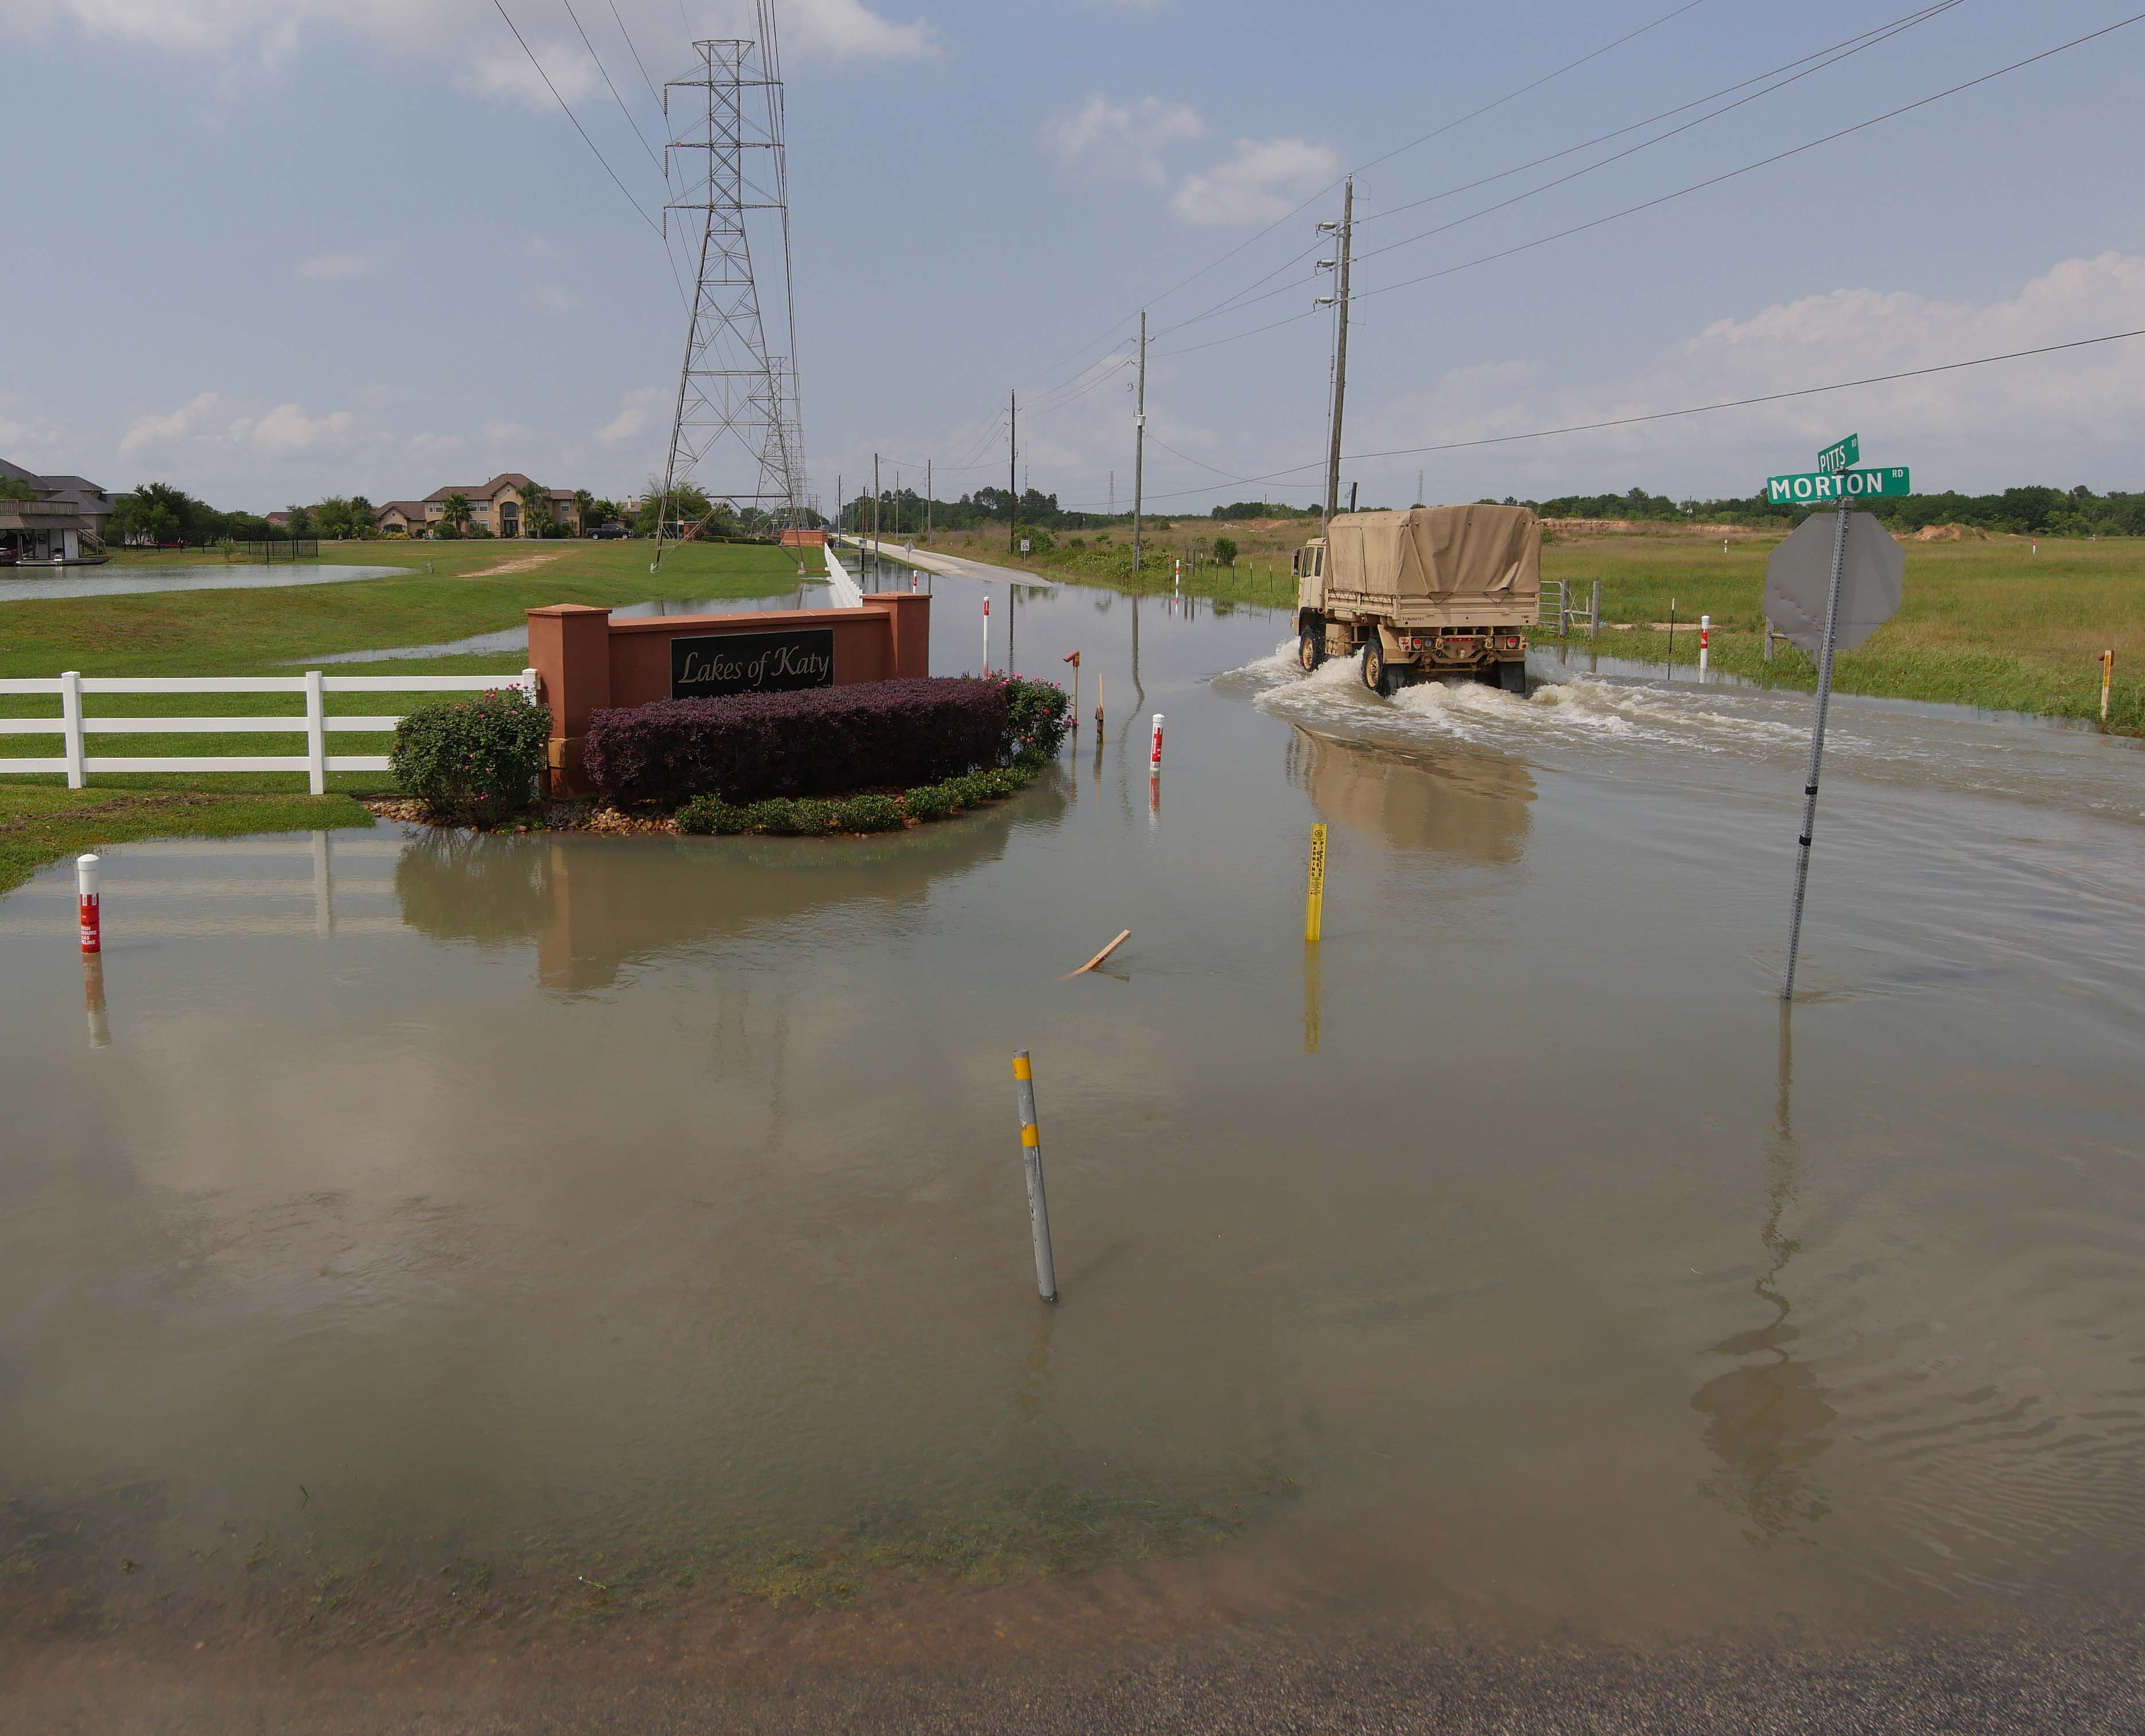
x: 1375, y: 676
x: 1512, y: 677
x: 1311, y: 648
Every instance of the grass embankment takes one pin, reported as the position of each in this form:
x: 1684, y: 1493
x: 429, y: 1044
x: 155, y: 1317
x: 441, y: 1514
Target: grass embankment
x: 1984, y: 622
x: 272, y: 632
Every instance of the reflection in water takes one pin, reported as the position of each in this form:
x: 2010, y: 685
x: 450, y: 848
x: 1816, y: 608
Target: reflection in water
x: 1470, y: 802
x: 1311, y: 997
x: 1767, y: 1420
x: 595, y: 905
x: 93, y: 994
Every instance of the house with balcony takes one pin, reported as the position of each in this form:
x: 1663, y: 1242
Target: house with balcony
x: 58, y: 520
x: 500, y: 506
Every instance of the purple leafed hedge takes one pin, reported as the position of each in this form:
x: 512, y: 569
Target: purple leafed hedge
x: 820, y: 741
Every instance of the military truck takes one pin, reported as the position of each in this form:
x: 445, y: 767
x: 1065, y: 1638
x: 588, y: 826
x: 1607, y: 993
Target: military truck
x: 1434, y: 590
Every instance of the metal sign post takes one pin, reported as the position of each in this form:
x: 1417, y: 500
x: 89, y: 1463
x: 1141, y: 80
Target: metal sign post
x: 1817, y: 749
x: 1861, y: 588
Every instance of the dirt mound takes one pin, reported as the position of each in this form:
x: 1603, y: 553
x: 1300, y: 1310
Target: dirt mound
x: 1950, y: 534
x: 1642, y: 527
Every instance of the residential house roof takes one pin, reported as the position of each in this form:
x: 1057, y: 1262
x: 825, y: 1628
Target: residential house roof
x: 79, y: 493
x: 491, y: 490
x: 408, y: 509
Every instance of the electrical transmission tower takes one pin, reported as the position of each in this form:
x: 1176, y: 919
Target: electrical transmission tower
x: 737, y: 432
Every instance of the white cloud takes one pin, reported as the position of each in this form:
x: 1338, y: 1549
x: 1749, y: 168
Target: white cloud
x: 336, y: 265
x: 470, y: 37
x: 2039, y: 418
x: 509, y: 73
x: 499, y: 431
x: 211, y: 419
x: 1121, y: 141
x: 553, y: 298
x: 287, y: 428
x: 17, y: 437
x: 1265, y: 180
x: 637, y: 413
x: 193, y: 419
x: 436, y: 442
x: 847, y: 30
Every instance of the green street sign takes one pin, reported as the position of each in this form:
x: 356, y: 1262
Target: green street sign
x: 1841, y: 454
x: 1811, y: 487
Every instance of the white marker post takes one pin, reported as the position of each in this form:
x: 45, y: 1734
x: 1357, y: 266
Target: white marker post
x: 987, y: 634
x: 1154, y: 758
x: 1705, y: 643
x: 90, y: 901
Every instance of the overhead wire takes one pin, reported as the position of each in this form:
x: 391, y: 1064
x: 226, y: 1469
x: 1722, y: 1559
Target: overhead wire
x: 1662, y: 415
x: 1398, y: 150
x: 614, y: 96
x: 1711, y: 181
x: 567, y: 110
x: 1837, y: 52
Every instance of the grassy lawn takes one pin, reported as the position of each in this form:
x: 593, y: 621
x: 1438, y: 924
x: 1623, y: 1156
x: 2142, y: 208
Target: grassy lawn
x: 272, y: 632
x: 1988, y: 624
x: 38, y: 825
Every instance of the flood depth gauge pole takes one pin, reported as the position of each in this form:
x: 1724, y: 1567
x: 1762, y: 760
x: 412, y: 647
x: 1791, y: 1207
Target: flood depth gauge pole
x: 1817, y: 750
x: 1031, y: 1158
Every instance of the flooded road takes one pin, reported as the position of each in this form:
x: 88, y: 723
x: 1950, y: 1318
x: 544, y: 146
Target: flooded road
x: 580, y: 1226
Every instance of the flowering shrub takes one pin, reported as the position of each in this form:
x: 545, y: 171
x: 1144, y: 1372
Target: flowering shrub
x: 821, y: 741
x: 1037, y: 715
x: 472, y: 761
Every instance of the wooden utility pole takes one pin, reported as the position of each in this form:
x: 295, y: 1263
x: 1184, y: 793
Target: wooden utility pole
x: 927, y: 542
x: 1340, y: 346
x: 874, y: 512
x: 1139, y: 445
x: 1013, y: 475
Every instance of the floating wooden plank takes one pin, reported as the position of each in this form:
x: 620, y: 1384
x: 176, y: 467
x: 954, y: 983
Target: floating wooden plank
x: 1099, y: 958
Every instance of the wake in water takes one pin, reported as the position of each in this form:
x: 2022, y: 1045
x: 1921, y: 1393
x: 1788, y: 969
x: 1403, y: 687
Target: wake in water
x: 1574, y: 708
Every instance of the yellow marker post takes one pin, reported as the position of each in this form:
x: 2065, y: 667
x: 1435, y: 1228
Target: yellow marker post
x: 2107, y: 680
x: 1314, y: 903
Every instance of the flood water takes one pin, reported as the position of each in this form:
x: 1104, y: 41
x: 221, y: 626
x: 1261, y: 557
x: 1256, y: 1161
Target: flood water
x: 119, y: 581
x: 450, y: 1219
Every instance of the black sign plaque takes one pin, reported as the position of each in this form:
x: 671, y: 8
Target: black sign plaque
x: 752, y: 662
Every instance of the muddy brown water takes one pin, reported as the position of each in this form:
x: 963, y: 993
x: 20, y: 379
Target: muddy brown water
x: 568, y: 1228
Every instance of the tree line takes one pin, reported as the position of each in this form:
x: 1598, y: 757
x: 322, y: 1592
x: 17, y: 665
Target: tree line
x: 2027, y: 511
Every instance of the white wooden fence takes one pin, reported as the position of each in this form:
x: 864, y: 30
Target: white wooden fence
x: 316, y: 724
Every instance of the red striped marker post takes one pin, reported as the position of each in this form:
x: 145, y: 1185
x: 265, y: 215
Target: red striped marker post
x: 987, y: 635
x: 92, y: 904
x: 1154, y: 757
x: 1705, y: 643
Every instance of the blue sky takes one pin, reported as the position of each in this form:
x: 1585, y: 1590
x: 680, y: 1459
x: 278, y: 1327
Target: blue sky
x: 271, y: 249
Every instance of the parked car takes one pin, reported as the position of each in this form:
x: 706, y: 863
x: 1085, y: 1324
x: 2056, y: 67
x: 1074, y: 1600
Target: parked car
x: 608, y: 533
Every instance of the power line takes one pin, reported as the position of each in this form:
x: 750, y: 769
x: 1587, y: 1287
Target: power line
x: 1398, y: 150
x: 637, y: 61
x: 1810, y: 63
x: 1201, y: 462
x: 1694, y: 410
x: 1681, y: 192
x: 614, y: 96
x: 578, y: 127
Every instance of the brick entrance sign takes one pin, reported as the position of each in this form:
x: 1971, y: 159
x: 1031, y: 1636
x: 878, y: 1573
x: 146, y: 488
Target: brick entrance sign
x: 587, y: 662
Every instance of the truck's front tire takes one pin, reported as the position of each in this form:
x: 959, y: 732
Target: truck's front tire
x: 1311, y: 648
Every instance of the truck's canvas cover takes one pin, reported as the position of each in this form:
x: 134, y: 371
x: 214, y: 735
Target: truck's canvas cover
x: 1450, y: 554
